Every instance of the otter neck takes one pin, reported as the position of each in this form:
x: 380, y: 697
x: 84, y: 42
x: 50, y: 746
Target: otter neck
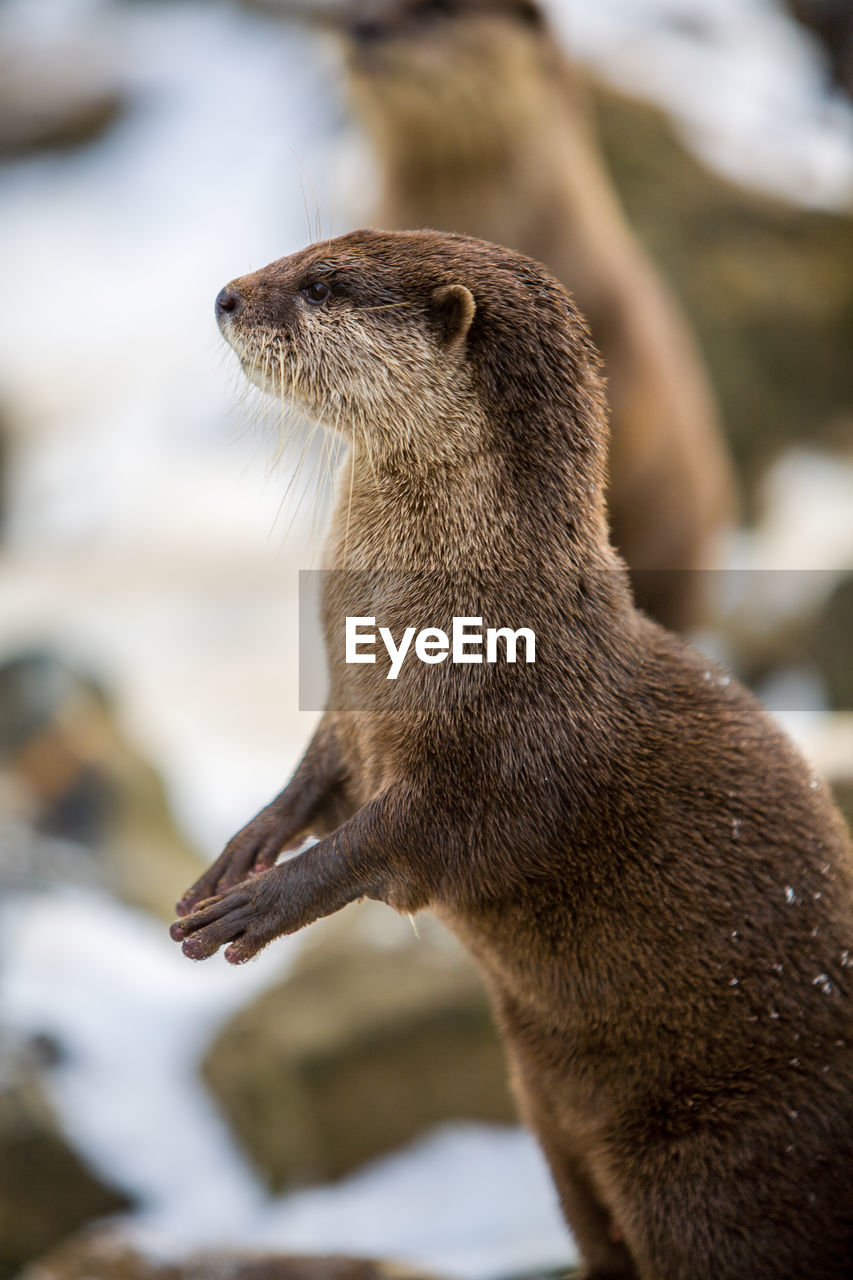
x: 463, y: 517
x: 455, y: 174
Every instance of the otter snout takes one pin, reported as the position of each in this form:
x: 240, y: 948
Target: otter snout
x: 228, y: 304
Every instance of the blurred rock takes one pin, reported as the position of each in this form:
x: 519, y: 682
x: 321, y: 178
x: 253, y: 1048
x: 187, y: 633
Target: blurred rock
x: 376, y: 1036
x: 54, y: 100
x: 45, y: 1189
x: 105, y: 1256
x: 832, y: 22
x: 768, y: 287
x: 72, y: 781
x: 29, y: 860
x: 833, y: 645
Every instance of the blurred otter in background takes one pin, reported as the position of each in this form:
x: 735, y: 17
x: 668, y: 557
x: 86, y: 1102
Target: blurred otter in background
x: 480, y: 127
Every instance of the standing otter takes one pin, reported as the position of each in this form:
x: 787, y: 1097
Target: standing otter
x: 658, y: 892
x: 480, y: 126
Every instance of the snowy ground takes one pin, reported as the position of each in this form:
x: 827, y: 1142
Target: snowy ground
x: 132, y: 1017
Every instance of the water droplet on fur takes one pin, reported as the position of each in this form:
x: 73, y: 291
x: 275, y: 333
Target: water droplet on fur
x: 815, y: 783
x: 735, y: 828
x: 790, y: 896
x: 733, y: 982
x: 778, y: 968
x: 823, y: 984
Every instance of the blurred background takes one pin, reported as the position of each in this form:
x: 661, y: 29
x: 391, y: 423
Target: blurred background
x: 345, y: 1093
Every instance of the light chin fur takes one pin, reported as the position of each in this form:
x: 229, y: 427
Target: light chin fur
x: 261, y: 362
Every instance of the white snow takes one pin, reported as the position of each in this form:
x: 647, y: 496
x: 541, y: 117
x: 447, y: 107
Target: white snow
x: 747, y: 89
x: 132, y: 1017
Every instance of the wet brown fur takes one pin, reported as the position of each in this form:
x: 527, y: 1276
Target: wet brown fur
x: 480, y: 126
x: 657, y: 890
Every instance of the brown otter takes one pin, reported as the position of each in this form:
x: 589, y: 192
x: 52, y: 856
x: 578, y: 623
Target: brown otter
x: 659, y: 893
x: 480, y: 126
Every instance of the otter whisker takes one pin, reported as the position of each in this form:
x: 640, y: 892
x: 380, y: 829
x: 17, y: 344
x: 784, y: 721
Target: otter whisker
x: 371, y: 461
x: 334, y: 203
x: 283, y: 401
x: 307, y: 485
x: 387, y: 306
x: 295, y: 477
x: 317, y: 231
x: 299, y: 426
x: 332, y: 444
x: 349, y: 500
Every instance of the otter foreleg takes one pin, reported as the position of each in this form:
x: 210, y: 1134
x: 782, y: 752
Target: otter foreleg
x: 311, y: 803
x: 365, y: 857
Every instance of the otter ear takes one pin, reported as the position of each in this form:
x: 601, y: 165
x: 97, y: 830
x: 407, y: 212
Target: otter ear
x: 453, y: 307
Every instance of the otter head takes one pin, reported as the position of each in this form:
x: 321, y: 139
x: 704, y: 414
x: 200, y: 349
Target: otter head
x: 363, y: 343
x: 426, y: 348
x: 452, y: 79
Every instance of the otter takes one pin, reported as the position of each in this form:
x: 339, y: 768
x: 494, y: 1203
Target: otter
x: 480, y: 125
x: 658, y: 891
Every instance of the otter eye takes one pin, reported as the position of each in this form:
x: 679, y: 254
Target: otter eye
x: 317, y: 292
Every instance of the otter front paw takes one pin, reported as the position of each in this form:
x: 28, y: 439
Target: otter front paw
x: 249, y: 916
x: 253, y: 849
x: 280, y: 900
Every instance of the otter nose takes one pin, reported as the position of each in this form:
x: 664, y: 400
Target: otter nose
x: 228, y: 303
